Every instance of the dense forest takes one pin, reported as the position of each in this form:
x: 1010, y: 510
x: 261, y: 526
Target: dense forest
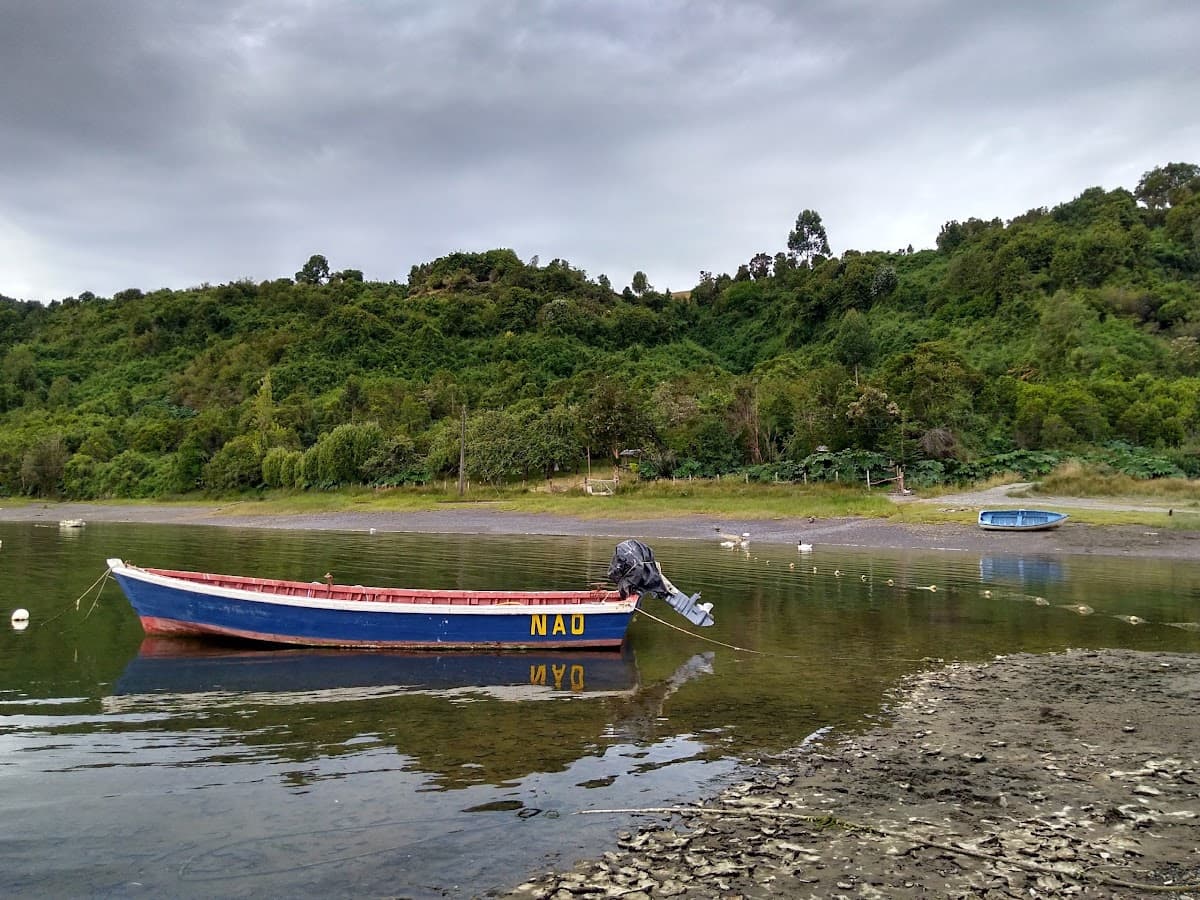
x: 1065, y: 331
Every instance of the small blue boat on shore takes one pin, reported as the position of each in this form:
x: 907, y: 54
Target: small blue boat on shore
x: 1020, y: 519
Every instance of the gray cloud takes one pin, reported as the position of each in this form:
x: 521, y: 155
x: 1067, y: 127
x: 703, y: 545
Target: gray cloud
x: 150, y: 144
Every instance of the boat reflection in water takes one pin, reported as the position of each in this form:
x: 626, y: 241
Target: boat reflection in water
x: 462, y: 718
x: 174, y: 666
x: 1022, y: 570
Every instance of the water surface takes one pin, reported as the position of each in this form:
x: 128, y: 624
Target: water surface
x: 134, y: 767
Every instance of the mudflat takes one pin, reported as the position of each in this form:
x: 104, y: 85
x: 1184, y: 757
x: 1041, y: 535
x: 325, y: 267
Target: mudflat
x: 1171, y: 542
x: 1074, y: 774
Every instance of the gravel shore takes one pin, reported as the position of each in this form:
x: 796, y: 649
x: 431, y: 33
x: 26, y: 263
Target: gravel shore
x: 482, y: 518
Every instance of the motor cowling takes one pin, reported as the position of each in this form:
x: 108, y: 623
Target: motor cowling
x: 634, y: 570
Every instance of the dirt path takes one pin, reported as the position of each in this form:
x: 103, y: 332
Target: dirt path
x: 1064, y: 775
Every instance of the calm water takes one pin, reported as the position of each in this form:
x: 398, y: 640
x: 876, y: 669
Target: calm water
x: 140, y: 768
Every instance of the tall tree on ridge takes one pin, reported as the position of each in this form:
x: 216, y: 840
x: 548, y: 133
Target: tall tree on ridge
x: 808, y: 239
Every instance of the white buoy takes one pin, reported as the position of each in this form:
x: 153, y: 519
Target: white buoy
x: 20, y: 619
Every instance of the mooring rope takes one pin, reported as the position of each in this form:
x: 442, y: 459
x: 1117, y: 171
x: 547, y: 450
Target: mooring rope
x: 708, y: 640
x: 103, y: 580
x: 701, y: 637
x: 78, y: 600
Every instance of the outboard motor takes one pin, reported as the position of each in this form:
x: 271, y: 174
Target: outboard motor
x: 634, y: 571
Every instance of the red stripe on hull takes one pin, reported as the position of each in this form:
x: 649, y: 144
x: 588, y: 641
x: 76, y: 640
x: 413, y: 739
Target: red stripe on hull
x: 154, y: 625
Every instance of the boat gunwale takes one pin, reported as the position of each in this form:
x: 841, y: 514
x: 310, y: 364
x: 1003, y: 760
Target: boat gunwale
x: 316, y: 594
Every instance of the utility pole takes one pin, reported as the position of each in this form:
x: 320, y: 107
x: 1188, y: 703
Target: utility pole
x: 462, y: 454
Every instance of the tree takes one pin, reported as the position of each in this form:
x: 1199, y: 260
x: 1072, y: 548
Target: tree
x: 1183, y: 223
x: 236, y: 466
x: 870, y: 416
x: 315, y: 271
x: 20, y: 367
x: 884, y: 281
x: 760, y: 265
x: 264, y: 407
x: 639, y: 284
x: 853, y: 343
x: 1165, y: 186
x: 614, y: 417
x: 496, y: 446
x: 808, y: 239
x: 341, y: 453
x: 43, y: 466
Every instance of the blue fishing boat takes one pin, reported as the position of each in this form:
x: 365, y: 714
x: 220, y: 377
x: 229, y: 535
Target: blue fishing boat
x: 1020, y: 519
x: 178, y: 603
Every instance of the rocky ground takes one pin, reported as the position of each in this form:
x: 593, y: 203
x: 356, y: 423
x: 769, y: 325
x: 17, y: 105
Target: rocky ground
x: 1065, y: 775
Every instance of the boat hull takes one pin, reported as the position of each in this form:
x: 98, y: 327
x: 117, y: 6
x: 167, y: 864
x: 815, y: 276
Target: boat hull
x: 1020, y: 519
x: 182, y: 604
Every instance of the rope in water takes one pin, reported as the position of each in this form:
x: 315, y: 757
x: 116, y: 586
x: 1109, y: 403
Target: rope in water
x: 708, y: 640
x: 701, y: 637
x: 78, y: 600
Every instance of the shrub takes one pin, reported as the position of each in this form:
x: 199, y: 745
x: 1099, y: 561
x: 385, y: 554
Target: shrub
x: 236, y: 466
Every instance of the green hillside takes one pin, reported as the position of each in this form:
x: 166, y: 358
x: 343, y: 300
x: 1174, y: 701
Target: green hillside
x: 1070, y: 330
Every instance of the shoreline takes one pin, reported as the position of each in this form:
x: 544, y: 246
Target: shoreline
x: 859, y: 533
x: 994, y: 780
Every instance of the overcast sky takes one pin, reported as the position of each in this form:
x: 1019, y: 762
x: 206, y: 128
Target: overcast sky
x: 163, y: 143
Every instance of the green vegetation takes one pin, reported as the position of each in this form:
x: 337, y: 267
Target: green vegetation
x: 1070, y: 333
